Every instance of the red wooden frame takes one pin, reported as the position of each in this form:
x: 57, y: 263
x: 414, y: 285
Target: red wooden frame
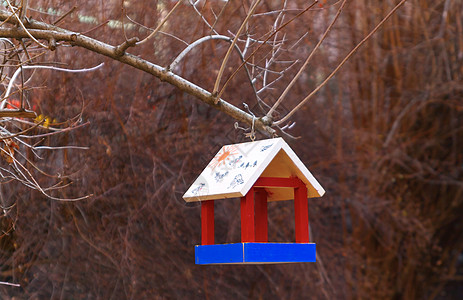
x: 254, y: 214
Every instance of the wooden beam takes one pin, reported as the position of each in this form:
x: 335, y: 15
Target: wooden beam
x: 261, y: 217
x: 301, y: 214
x: 248, y: 233
x: 292, y: 182
x: 207, y: 222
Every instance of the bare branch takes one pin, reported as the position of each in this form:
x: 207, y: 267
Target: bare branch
x: 15, y: 113
x: 10, y: 284
x: 193, y: 4
x: 22, y: 25
x: 163, y: 21
x: 196, y: 43
x: 341, y: 64
x: 19, y: 70
x: 227, y: 55
x: 162, y: 32
x: 64, y: 15
x: 299, y: 73
x: 262, y: 43
x: 120, y: 50
x: 45, y: 31
x: 220, y: 14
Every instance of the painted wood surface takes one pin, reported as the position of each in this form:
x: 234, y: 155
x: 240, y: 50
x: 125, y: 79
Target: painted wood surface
x: 255, y: 253
x: 301, y: 215
x: 235, y: 168
x: 261, y: 215
x: 207, y: 222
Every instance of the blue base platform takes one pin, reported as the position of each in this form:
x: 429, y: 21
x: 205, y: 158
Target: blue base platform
x: 255, y: 253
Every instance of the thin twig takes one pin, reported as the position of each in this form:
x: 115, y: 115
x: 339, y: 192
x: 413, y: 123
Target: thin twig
x: 160, y: 24
x: 65, y: 15
x: 17, y: 113
x: 10, y: 284
x: 220, y: 14
x: 120, y: 49
x: 150, y: 29
x: 263, y: 43
x: 284, y: 119
x: 296, y: 77
x: 18, y: 71
x: 193, y: 4
x: 194, y: 44
x: 227, y: 55
x: 24, y: 27
x: 213, y: 37
x: 96, y: 27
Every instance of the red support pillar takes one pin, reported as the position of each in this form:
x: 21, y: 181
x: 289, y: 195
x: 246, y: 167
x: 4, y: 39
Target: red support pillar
x: 248, y: 233
x: 261, y: 219
x: 207, y: 222
x: 301, y: 214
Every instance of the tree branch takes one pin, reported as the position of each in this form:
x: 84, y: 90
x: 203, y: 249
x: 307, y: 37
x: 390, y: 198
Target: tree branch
x: 120, y: 50
x: 41, y: 30
x: 14, y: 113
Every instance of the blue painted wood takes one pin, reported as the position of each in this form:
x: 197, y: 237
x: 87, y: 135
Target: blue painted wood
x: 255, y: 253
x: 219, y: 254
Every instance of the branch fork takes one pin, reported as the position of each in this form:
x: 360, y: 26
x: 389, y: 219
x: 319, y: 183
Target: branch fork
x: 120, y: 49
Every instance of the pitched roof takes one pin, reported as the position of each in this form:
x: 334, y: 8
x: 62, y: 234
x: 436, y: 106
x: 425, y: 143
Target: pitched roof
x: 235, y: 168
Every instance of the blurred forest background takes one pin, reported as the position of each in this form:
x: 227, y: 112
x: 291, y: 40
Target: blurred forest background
x: 384, y: 138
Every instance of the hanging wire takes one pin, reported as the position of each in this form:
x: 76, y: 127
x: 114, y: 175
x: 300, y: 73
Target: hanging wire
x: 252, y: 134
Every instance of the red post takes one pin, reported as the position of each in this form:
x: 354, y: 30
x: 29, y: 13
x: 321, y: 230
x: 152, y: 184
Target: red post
x: 207, y: 222
x: 301, y: 214
x: 248, y: 233
x: 261, y: 218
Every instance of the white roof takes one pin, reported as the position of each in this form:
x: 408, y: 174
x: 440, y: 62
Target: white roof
x: 235, y: 168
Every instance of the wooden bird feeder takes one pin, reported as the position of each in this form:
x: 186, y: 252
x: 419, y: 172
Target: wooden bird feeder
x: 257, y: 172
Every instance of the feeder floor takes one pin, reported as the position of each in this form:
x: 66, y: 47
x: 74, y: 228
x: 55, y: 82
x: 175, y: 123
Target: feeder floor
x: 255, y: 253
